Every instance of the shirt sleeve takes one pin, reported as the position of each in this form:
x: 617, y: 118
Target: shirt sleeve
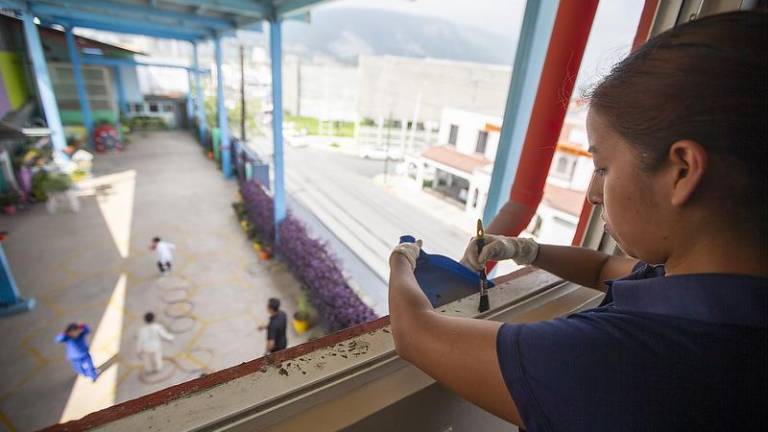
x: 164, y: 333
x: 61, y: 337
x: 271, y: 331
x: 555, y: 369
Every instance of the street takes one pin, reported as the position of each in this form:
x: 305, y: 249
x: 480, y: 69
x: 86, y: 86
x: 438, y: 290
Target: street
x: 365, y: 218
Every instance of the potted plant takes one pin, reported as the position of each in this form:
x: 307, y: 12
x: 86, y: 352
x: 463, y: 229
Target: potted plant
x: 265, y: 253
x: 302, y: 319
x: 56, y: 183
x: 8, y: 201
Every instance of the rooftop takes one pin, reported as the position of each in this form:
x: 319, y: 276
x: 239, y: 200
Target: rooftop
x: 451, y: 157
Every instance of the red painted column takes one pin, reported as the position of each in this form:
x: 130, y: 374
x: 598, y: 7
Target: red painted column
x: 566, y: 47
x: 641, y: 35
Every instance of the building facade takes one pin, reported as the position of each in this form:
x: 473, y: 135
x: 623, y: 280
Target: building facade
x: 459, y: 168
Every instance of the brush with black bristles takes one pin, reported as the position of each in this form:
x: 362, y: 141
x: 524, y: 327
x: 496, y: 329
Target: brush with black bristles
x: 484, y: 305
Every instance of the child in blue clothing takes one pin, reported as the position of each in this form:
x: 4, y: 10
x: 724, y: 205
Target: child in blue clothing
x: 77, y: 349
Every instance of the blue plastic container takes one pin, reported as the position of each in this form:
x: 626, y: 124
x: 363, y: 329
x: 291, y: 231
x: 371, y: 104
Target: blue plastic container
x: 442, y: 279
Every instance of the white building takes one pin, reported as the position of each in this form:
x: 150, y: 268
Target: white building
x: 323, y: 91
x: 417, y: 89
x: 460, y: 168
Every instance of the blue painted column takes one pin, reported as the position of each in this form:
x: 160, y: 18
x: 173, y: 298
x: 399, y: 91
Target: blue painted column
x: 200, y: 109
x: 10, y: 301
x: 122, y: 102
x: 44, y: 87
x: 538, y: 21
x: 226, y: 162
x: 82, y: 95
x: 190, y: 100
x: 275, y: 52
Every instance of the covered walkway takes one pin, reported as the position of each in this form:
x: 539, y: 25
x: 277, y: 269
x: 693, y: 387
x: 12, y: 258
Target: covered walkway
x: 95, y: 266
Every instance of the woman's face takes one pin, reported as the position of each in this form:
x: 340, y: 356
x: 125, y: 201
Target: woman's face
x: 631, y: 198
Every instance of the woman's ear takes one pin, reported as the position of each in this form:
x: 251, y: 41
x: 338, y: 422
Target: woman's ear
x: 689, y: 162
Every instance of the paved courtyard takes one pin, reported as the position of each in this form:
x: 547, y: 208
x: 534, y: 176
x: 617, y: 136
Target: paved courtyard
x: 95, y: 267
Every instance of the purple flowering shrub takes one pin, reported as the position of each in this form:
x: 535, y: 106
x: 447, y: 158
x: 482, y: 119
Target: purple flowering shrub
x: 310, y: 261
x: 258, y: 209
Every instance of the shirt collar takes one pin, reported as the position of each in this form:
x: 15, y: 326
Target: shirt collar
x: 711, y: 297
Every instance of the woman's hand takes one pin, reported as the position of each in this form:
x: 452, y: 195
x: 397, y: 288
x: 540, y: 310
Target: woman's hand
x: 498, y: 248
x: 410, y: 251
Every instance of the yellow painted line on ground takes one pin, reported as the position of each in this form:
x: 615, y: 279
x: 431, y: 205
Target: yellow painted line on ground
x: 196, y: 336
x: 16, y: 387
x: 7, y: 423
x: 196, y: 361
x: 39, y: 357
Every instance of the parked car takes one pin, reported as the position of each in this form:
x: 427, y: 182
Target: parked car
x: 380, y: 153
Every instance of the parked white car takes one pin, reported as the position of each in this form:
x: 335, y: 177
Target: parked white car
x: 380, y: 153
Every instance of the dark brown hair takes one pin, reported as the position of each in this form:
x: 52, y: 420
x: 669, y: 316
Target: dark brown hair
x: 706, y: 81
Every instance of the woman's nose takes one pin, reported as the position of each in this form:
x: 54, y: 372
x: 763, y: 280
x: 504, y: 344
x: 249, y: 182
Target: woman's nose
x: 595, y: 191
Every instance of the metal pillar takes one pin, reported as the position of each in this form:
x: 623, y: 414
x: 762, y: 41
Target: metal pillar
x: 190, y: 100
x: 122, y: 102
x: 535, y: 34
x: 200, y: 111
x: 44, y: 87
x: 82, y: 95
x: 226, y: 162
x: 10, y: 301
x: 275, y: 52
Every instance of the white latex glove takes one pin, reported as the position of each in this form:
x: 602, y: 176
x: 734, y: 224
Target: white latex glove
x: 410, y: 251
x: 498, y: 248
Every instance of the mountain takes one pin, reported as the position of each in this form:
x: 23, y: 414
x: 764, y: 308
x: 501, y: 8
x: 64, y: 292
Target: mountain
x: 344, y: 34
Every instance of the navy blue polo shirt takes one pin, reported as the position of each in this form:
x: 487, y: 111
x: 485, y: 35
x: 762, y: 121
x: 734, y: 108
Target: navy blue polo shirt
x: 686, y: 352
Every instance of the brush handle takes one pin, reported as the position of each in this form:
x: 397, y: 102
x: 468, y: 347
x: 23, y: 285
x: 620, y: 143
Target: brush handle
x: 480, y: 244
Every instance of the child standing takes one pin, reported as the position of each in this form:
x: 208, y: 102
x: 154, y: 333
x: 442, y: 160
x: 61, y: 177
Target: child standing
x: 164, y: 253
x: 150, y: 343
x: 77, y: 349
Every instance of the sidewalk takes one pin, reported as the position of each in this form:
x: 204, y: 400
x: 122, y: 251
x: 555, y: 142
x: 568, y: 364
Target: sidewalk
x: 95, y: 266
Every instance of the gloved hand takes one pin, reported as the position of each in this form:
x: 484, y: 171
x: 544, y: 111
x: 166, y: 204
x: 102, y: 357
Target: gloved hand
x: 497, y: 248
x: 410, y: 251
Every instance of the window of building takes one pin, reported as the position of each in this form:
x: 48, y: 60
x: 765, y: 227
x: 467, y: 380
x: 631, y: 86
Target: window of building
x: 138, y: 108
x: 482, y: 140
x: 564, y: 167
x: 154, y: 108
x: 453, y: 135
x: 168, y: 107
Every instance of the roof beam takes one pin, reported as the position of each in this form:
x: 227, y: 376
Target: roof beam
x: 145, y: 13
x: 129, y: 28
x: 13, y: 4
x: 114, y: 23
x: 251, y: 8
x: 290, y: 7
x: 109, y: 61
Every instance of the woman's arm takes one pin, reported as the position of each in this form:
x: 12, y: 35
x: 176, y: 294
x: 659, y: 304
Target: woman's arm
x: 583, y: 266
x: 457, y: 352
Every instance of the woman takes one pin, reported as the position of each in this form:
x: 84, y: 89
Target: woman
x: 678, y: 138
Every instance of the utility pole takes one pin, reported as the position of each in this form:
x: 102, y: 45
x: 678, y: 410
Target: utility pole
x: 242, y: 94
x: 386, y: 155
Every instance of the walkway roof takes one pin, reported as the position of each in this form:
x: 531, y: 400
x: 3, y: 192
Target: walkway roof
x: 191, y: 20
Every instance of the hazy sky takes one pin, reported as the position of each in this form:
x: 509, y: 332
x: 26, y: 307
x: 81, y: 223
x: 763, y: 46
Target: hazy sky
x: 497, y: 15
x: 611, y: 36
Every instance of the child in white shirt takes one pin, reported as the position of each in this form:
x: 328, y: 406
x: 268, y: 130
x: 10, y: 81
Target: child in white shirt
x: 164, y: 253
x: 150, y: 343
